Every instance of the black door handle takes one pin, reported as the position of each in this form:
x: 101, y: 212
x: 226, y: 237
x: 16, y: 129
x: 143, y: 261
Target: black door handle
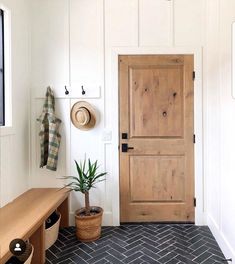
x: 125, y: 147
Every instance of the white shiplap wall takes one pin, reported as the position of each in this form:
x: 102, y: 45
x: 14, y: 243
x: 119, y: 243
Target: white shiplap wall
x: 14, y: 141
x: 219, y: 125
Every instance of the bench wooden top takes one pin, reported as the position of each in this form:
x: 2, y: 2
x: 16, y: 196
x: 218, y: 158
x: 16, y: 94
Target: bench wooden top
x: 23, y: 216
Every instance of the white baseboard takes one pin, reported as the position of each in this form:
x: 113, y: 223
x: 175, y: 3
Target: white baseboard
x: 107, y: 219
x: 71, y: 219
x: 221, y: 239
x: 200, y: 219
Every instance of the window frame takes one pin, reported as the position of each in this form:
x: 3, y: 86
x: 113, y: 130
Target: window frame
x: 8, y: 128
x: 2, y: 18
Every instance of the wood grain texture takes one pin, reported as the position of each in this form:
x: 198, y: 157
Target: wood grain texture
x: 38, y: 242
x: 156, y: 110
x: 157, y: 178
x: 26, y: 215
x: 156, y: 103
x: 64, y: 211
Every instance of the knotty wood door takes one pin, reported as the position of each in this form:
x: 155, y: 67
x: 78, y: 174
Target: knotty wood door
x: 156, y: 120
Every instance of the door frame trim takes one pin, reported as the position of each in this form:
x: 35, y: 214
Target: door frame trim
x: 112, y: 103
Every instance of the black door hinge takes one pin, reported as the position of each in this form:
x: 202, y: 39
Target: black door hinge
x: 194, y: 202
x: 194, y: 138
x: 194, y: 74
x: 227, y: 260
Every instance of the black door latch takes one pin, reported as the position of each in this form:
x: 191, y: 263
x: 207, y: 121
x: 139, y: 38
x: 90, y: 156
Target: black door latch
x: 125, y: 147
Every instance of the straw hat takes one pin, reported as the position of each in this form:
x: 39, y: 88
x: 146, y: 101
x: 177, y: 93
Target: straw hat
x: 83, y: 115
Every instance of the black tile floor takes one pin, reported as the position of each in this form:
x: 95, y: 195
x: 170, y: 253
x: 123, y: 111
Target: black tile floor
x: 148, y: 243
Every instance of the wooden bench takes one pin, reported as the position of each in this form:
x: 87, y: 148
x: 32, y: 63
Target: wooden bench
x: 25, y: 217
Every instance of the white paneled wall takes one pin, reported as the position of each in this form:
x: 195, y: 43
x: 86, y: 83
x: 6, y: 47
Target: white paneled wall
x: 189, y: 22
x: 121, y: 23
x: 50, y: 39
x: 77, y: 50
x: 220, y: 128
x: 89, y: 144
x: 86, y: 43
x: 155, y: 23
x: 6, y: 170
x: 212, y: 112
x: 14, y: 141
x: 72, y: 45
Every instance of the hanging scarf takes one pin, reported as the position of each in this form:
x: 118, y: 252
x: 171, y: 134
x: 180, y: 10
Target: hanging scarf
x: 49, y: 133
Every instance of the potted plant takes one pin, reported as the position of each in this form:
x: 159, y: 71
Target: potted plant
x: 89, y: 218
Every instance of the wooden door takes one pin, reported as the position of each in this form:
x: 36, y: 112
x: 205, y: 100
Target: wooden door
x: 156, y: 120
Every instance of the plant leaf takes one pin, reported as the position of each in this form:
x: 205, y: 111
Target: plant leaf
x: 87, y: 176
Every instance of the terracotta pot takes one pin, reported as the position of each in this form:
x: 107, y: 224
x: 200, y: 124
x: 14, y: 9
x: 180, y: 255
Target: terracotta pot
x: 88, y: 228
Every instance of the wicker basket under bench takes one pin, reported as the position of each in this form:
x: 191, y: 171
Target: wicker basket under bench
x: 25, y: 218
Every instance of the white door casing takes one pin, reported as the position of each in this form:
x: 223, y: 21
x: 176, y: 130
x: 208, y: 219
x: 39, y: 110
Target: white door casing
x: 112, y: 105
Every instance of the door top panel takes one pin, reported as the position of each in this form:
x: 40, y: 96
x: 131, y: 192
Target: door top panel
x: 156, y: 101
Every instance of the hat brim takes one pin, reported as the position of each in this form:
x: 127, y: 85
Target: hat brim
x: 91, y: 110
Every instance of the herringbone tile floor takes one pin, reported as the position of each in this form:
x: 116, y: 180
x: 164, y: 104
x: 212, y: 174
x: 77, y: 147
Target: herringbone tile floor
x: 148, y: 243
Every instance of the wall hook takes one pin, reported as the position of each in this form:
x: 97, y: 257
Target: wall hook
x: 83, y: 91
x: 66, y: 91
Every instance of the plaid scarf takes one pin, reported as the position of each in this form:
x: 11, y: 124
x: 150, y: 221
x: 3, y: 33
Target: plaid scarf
x: 49, y: 133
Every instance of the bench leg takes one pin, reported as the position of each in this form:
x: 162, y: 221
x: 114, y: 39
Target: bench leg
x: 38, y: 241
x: 64, y: 211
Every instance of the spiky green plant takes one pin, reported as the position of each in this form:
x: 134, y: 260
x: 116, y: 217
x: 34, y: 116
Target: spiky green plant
x: 85, y: 180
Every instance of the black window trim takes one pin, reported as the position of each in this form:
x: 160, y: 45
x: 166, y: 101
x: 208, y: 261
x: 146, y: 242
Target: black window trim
x: 3, y: 68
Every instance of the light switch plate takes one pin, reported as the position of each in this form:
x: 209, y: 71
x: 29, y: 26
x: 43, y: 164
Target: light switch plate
x: 107, y: 135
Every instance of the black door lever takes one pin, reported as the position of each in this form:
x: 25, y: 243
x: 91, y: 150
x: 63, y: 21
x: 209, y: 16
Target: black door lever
x: 125, y: 147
